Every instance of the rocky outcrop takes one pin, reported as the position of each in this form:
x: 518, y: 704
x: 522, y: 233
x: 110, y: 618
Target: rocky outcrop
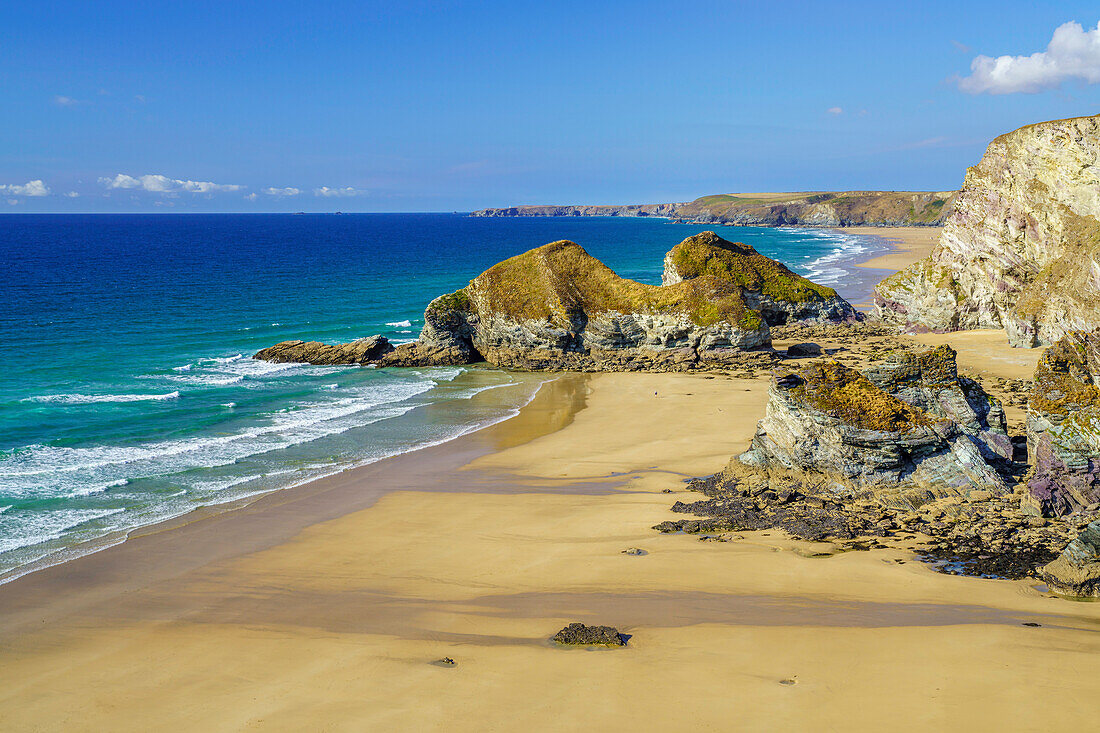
x: 846, y: 208
x: 558, y: 308
x: 1076, y: 572
x: 579, y: 634
x: 1063, y: 426
x: 907, y: 431
x: 363, y: 351
x: 1022, y: 249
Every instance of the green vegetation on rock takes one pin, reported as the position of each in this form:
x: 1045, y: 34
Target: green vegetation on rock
x: 708, y: 254
x: 846, y: 394
x: 560, y: 281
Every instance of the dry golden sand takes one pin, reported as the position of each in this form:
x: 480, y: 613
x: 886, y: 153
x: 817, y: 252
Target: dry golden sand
x: 910, y: 244
x: 322, y: 608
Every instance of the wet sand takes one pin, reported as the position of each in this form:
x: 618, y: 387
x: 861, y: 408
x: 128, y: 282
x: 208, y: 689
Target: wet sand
x: 324, y: 607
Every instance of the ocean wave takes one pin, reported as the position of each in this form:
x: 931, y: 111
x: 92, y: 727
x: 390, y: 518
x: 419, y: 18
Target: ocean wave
x: 400, y: 324
x: 87, y: 399
x: 827, y: 269
x: 23, y: 529
x: 52, y: 470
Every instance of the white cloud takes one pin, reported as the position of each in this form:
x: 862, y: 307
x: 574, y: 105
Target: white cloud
x: 252, y: 197
x: 282, y: 191
x: 1072, y: 53
x: 156, y: 183
x: 342, y: 192
x: 835, y: 111
x: 13, y: 202
x: 64, y: 101
x: 30, y: 188
x: 72, y: 195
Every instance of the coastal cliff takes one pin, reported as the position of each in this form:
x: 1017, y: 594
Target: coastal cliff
x: 558, y: 308
x: 1021, y: 250
x: 847, y: 208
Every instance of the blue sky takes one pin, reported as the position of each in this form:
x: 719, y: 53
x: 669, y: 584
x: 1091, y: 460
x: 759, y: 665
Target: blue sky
x: 440, y: 106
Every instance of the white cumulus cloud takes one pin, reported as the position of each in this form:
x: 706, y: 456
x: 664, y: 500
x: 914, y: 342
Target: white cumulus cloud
x: 156, y: 183
x: 71, y: 195
x: 252, y: 196
x: 30, y: 188
x: 338, y: 192
x: 63, y: 101
x: 289, y: 191
x: 835, y: 111
x: 1073, y: 53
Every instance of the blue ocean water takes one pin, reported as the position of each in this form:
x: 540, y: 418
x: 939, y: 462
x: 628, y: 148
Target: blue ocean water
x: 127, y: 395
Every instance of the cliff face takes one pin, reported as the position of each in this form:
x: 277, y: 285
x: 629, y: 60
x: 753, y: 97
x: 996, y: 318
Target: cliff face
x: 849, y: 208
x: 558, y: 308
x: 1022, y: 249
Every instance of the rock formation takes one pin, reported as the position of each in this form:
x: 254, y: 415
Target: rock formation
x: 362, y: 351
x: 908, y: 430
x: 846, y: 208
x: 1063, y: 426
x: 581, y: 635
x: 1076, y: 572
x: 1022, y: 249
x: 558, y: 308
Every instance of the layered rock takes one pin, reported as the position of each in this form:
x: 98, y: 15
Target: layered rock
x: 846, y: 208
x: 557, y: 307
x: 1063, y: 426
x: 907, y: 431
x: 1022, y: 249
x: 1076, y: 572
x: 363, y: 351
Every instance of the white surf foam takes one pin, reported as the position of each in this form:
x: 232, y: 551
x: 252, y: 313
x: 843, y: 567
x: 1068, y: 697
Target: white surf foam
x: 87, y: 399
x: 400, y: 324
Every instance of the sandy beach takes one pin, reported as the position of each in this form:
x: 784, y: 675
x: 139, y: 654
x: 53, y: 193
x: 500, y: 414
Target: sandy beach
x: 324, y: 607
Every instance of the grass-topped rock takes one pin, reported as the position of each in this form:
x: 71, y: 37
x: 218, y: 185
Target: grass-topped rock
x: 1063, y: 426
x: 557, y: 307
x: 907, y: 431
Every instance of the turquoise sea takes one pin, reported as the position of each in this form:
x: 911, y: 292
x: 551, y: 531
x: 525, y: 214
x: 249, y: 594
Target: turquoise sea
x: 127, y: 395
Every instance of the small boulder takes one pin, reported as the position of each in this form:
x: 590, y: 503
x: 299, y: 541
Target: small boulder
x: 1076, y: 572
x: 799, y: 351
x: 579, y: 634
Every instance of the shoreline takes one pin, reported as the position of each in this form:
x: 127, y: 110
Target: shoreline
x: 327, y: 607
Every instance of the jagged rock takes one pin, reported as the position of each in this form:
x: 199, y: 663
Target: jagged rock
x: 363, y: 351
x: 1022, y: 249
x: 1076, y: 572
x: 910, y: 429
x: 1063, y: 426
x: 799, y: 351
x: 579, y: 634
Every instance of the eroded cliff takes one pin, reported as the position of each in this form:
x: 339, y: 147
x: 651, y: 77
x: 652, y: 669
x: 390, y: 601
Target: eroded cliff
x: 1022, y: 249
